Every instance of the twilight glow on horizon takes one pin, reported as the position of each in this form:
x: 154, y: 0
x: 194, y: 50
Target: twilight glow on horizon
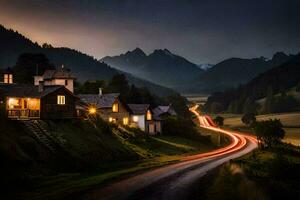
x: 204, y: 31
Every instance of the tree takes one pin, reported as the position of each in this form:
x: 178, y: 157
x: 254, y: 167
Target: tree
x: 248, y: 118
x: 216, y: 107
x: 269, y: 133
x: 298, y: 87
x: 219, y: 120
x: 269, y: 102
x: 29, y: 65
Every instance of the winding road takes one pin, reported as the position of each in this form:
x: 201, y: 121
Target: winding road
x: 174, y: 181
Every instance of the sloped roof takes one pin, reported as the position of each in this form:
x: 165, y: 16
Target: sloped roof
x: 160, y: 110
x: 103, y: 101
x: 24, y: 90
x: 58, y: 74
x: 138, y: 109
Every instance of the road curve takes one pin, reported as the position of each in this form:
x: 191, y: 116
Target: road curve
x: 174, y: 181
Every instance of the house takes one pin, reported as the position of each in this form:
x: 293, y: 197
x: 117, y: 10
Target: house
x: 61, y: 76
x: 141, y: 116
x: 7, y: 76
x: 37, y: 102
x: 162, y: 112
x: 108, y: 106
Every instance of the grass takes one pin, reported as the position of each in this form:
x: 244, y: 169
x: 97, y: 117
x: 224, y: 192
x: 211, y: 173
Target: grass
x: 257, y: 175
x: 164, y: 150
x: 290, y: 121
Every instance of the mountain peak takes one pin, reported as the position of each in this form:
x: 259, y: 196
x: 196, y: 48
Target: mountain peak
x: 137, y: 52
x: 162, y: 52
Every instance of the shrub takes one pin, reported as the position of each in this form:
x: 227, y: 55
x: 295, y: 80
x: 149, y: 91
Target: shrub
x: 248, y: 118
x: 269, y: 132
x: 219, y: 121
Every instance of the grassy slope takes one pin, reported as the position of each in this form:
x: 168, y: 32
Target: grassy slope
x: 258, y: 175
x: 89, y: 157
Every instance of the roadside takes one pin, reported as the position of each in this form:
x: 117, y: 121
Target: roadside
x: 290, y: 121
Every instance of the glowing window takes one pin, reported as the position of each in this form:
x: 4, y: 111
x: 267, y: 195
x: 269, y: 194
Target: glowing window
x: 115, y: 107
x: 10, y: 78
x: 125, y: 120
x: 112, y: 120
x: 6, y: 78
x: 61, y: 100
x: 14, y: 103
x: 149, y: 115
x: 135, y: 118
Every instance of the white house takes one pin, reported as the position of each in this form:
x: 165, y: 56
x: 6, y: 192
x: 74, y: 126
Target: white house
x: 60, y: 76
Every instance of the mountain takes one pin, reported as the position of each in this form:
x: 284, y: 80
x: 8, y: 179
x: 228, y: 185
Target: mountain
x: 206, y: 66
x: 161, y: 66
x: 275, y: 80
x: 83, y: 66
x: 234, y: 71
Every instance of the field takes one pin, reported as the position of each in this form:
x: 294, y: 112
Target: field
x: 290, y: 121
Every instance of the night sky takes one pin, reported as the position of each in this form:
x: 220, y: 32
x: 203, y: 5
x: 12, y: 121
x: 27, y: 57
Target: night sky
x: 202, y: 31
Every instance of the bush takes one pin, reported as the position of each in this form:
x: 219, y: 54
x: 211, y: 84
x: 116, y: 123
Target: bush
x: 219, y: 121
x: 269, y: 132
x: 248, y: 118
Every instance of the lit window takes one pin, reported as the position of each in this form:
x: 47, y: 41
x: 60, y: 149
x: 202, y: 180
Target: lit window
x: 14, y: 103
x: 6, y: 78
x: 61, y: 100
x: 135, y: 118
x: 125, y: 120
x: 112, y: 120
x: 10, y: 78
x: 115, y: 107
x: 149, y: 115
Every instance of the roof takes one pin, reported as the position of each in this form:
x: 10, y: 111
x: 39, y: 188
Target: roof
x: 160, y: 110
x: 23, y: 90
x: 61, y: 73
x: 103, y: 101
x: 138, y: 109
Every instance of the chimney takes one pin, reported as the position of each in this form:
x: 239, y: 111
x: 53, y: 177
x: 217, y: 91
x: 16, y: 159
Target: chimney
x: 41, y: 86
x: 100, y: 92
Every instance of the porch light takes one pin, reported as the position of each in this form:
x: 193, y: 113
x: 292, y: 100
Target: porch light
x: 92, y: 110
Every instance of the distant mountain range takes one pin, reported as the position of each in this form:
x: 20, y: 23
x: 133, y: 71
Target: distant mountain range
x: 233, y: 72
x: 83, y: 66
x: 165, y: 68
x: 161, y: 66
x: 275, y: 80
x: 157, y: 71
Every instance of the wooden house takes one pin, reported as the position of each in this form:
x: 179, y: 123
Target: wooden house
x: 108, y: 106
x: 37, y: 102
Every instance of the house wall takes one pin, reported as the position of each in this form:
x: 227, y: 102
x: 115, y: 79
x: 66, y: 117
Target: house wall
x: 153, y: 127
x: 51, y: 110
x: 106, y: 113
x: 139, y: 121
x: 70, y: 85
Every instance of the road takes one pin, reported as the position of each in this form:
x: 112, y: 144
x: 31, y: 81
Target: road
x: 174, y: 181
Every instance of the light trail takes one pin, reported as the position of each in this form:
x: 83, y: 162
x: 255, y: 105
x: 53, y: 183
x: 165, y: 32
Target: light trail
x: 173, y: 181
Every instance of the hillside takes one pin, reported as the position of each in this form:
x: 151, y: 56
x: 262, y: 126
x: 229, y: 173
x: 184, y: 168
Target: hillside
x: 84, y: 67
x: 161, y: 66
x: 275, y: 80
x: 235, y: 71
x: 87, y: 153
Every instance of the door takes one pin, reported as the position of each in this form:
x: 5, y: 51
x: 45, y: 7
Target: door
x: 151, y: 128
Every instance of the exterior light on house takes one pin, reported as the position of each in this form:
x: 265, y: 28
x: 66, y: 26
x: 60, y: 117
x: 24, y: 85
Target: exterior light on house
x: 92, y: 110
x: 135, y: 118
